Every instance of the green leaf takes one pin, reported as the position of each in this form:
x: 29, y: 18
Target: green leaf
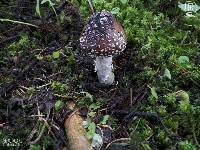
x: 92, y: 114
x: 56, y: 54
x: 58, y: 105
x: 123, y: 1
x: 37, y: 8
x: 153, y: 93
x: 115, y: 10
x: 87, y: 95
x: 183, y: 59
x: 167, y: 74
x: 71, y: 60
x: 162, y: 110
x: 184, y: 106
x: 186, y: 145
x: 94, y: 106
x: 59, y: 88
x: 105, y: 119
x: 39, y: 57
x: 34, y: 147
x: 91, y: 130
x: 31, y: 90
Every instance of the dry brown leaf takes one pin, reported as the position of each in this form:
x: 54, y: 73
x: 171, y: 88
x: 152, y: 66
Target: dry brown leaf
x: 75, y: 132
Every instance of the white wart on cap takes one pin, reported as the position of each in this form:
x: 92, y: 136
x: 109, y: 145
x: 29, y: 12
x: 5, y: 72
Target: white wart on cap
x: 102, y: 36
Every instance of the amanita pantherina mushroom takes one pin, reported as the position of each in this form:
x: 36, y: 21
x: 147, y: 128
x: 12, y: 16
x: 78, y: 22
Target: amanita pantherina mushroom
x: 103, y: 37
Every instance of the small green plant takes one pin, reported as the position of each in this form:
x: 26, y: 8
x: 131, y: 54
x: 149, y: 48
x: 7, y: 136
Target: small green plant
x: 93, y: 105
x: 35, y: 147
x: 186, y: 145
x: 58, y: 105
x: 59, y: 88
x: 18, y: 47
x: 167, y: 74
x: 163, y: 138
x: 105, y: 119
x: 31, y: 91
x: 91, y: 130
x: 162, y: 110
x: 85, y: 98
x: 140, y: 135
x: 56, y: 54
x: 154, y: 95
x: 71, y: 59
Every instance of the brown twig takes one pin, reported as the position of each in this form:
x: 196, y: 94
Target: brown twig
x: 43, y: 127
x: 194, y: 136
x: 117, y: 140
x: 131, y: 97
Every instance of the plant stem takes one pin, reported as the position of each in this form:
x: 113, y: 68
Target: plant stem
x: 19, y: 22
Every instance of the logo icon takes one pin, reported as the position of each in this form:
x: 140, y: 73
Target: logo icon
x: 189, y: 7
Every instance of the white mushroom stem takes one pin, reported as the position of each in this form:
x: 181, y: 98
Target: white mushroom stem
x: 104, y: 68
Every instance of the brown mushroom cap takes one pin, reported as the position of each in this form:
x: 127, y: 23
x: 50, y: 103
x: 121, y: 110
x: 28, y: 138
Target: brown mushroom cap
x: 103, y: 35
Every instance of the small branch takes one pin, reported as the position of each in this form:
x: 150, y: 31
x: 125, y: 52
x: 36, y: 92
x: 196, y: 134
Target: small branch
x: 9, y: 39
x: 39, y: 136
x: 45, y: 85
x: 131, y: 97
x: 40, y: 119
x: 194, y: 136
x: 19, y: 22
x: 117, y: 140
x: 32, y: 134
x: 61, y: 96
x: 91, y: 6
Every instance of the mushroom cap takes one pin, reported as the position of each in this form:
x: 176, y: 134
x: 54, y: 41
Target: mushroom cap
x: 102, y: 36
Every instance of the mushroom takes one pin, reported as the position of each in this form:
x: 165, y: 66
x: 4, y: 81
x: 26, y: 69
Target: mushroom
x: 103, y: 37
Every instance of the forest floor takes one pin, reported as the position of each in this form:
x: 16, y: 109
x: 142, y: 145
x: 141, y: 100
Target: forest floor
x: 41, y: 70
